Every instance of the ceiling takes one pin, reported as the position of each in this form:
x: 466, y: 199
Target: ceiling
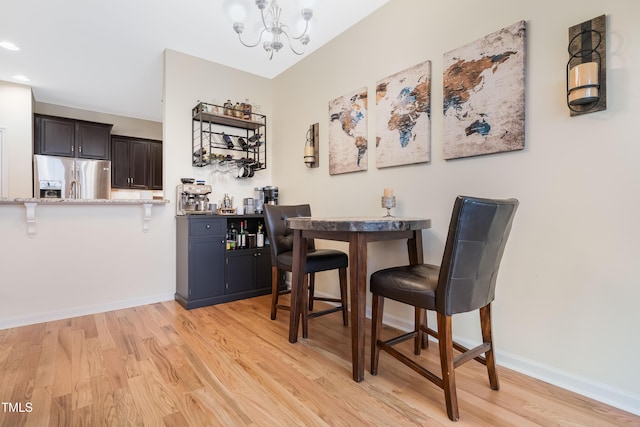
x: 106, y: 56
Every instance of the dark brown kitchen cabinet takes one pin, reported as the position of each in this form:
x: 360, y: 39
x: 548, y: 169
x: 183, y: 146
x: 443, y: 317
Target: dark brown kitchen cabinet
x: 59, y: 136
x: 136, y: 163
x: 155, y: 155
x: 208, y: 274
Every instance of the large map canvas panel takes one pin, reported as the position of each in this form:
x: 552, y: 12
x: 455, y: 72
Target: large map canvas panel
x: 403, y: 117
x: 348, y: 133
x: 484, y: 95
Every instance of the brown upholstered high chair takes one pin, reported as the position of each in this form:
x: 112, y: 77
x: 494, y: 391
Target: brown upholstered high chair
x: 465, y: 281
x: 281, y: 243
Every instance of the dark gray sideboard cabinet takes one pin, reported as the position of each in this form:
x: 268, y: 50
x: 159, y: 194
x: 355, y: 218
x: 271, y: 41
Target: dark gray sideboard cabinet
x: 206, y: 273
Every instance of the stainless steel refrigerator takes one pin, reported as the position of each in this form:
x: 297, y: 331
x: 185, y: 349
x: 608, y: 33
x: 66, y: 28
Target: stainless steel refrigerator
x: 70, y: 178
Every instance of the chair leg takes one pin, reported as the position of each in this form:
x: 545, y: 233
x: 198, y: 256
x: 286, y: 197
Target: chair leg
x: 312, y: 289
x: 305, y: 307
x: 445, y: 342
x: 275, y: 289
x: 342, y: 273
x: 425, y: 335
x: 419, y: 314
x: 485, y: 324
x: 377, y: 308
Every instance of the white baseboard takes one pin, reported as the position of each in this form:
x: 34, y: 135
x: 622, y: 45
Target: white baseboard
x: 604, y: 393
x: 82, y: 311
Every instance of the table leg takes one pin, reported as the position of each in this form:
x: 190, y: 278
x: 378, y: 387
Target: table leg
x: 414, y: 247
x: 297, y: 278
x: 358, y: 286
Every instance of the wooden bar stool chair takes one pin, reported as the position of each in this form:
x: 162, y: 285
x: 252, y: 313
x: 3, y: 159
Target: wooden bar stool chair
x: 281, y: 244
x: 465, y: 281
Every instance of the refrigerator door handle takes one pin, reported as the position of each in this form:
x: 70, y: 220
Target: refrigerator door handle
x: 72, y: 189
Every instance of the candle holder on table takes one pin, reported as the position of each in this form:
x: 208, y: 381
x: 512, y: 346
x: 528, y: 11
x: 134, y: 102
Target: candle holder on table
x: 388, y: 202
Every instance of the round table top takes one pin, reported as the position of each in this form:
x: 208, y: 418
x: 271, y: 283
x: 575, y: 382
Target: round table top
x: 358, y: 224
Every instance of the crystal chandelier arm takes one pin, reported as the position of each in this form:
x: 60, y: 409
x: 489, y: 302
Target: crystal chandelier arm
x: 306, y: 27
x: 291, y: 44
x: 264, y: 21
x: 250, y: 45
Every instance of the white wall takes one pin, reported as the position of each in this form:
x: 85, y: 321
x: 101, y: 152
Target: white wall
x: 15, y: 117
x: 189, y: 79
x: 568, y: 288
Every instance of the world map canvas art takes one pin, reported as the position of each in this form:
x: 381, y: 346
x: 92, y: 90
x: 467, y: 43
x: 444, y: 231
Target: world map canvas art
x: 403, y: 117
x: 348, y: 133
x: 484, y: 95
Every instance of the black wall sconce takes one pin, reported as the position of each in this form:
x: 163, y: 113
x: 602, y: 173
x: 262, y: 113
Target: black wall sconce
x: 311, y: 147
x: 586, y: 68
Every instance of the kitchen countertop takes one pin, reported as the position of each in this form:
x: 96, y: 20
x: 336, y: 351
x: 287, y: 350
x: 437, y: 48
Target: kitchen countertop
x: 22, y: 200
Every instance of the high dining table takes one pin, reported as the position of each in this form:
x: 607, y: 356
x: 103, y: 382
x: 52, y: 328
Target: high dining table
x: 358, y: 231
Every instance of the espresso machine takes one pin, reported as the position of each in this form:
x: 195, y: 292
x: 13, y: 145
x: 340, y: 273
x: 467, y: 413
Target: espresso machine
x: 193, y: 199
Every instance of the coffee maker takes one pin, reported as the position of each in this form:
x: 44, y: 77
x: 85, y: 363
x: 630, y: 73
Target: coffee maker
x: 193, y: 199
x: 265, y: 195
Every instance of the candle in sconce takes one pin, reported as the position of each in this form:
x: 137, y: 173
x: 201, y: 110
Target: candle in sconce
x: 388, y: 192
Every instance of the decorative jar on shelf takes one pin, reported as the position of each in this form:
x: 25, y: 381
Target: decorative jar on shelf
x: 228, y: 108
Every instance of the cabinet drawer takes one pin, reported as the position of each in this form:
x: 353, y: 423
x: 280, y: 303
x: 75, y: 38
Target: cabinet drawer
x: 207, y: 227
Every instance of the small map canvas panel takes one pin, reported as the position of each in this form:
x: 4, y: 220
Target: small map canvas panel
x: 403, y: 117
x: 348, y: 133
x: 484, y: 95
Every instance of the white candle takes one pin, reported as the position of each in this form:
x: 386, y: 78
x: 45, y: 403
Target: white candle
x: 580, y: 76
x: 388, y: 192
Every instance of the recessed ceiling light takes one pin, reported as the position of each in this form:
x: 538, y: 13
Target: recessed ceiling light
x: 21, y: 78
x: 9, y: 46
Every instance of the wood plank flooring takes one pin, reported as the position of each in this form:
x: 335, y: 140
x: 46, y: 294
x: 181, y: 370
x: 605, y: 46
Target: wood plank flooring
x: 230, y: 365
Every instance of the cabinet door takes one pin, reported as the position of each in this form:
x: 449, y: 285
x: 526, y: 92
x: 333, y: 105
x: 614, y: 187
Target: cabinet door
x: 155, y: 176
x: 263, y: 268
x: 54, y: 136
x: 206, y: 268
x: 139, y: 164
x: 240, y: 271
x: 92, y: 140
x: 119, y: 163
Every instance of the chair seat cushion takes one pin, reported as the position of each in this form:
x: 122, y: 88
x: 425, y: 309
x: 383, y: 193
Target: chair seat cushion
x: 412, y: 284
x: 317, y: 260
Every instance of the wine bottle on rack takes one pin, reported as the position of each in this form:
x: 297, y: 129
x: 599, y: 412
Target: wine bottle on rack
x: 227, y: 140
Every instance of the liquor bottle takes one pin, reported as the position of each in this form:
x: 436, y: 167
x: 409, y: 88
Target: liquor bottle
x: 243, y: 235
x: 237, y: 112
x: 233, y: 237
x: 260, y: 237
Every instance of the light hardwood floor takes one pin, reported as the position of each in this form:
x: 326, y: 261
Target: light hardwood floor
x: 230, y: 365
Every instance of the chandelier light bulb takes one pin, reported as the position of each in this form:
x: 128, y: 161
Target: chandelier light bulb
x: 272, y: 25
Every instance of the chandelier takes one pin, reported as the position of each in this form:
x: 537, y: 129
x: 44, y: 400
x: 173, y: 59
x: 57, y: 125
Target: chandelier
x: 271, y: 24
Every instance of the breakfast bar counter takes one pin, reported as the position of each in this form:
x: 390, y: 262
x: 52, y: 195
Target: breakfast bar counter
x: 31, y: 203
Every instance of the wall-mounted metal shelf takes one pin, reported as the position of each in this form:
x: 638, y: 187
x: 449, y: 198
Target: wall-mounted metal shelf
x: 219, y: 138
